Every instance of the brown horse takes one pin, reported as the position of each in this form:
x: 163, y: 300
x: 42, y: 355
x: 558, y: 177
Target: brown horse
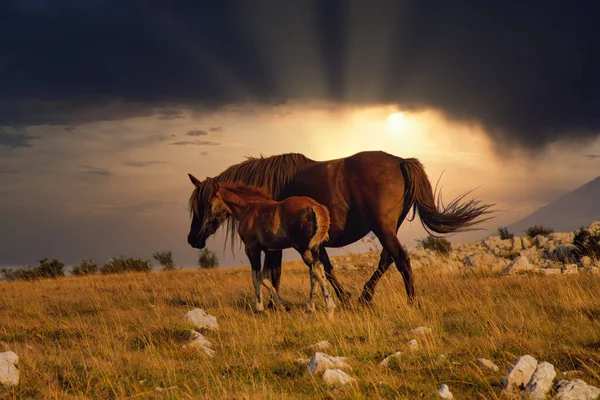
x: 368, y: 191
x: 265, y: 224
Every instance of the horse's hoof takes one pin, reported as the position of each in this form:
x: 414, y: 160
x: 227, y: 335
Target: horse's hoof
x: 310, y: 308
x: 365, y: 299
x: 259, y: 307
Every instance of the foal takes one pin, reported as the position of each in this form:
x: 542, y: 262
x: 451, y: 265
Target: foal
x: 265, y: 224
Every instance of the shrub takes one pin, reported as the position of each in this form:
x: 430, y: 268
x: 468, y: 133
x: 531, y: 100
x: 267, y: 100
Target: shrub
x: 46, y: 268
x: 86, y: 267
x: 165, y: 258
x: 207, y: 259
x: 587, y: 243
x: 120, y: 265
x: 535, y: 230
x: 504, y: 233
x: 437, y: 244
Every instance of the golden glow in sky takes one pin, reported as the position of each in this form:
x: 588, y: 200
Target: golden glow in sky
x: 396, y: 122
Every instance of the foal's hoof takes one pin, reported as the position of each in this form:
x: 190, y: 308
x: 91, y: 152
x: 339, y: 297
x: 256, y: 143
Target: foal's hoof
x: 259, y: 307
x: 310, y: 308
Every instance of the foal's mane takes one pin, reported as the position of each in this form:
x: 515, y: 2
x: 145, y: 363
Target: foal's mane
x: 271, y: 174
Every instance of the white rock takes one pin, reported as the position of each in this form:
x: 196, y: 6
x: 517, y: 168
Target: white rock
x: 421, y: 330
x: 520, y: 373
x: 576, y: 390
x: 321, y: 361
x: 444, y: 392
x: 386, y: 361
x: 413, y: 344
x: 337, y: 377
x: 322, y: 345
x: 570, y: 269
x: 586, y: 261
x: 519, y: 264
x: 540, y: 241
x: 541, y: 381
x: 550, y: 271
x: 201, y: 343
x: 9, y: 374
x: 488, y: 364
x: 202, y: 320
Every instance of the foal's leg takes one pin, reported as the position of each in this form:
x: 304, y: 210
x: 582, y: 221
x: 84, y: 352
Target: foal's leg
x: 254, y: 256
x: 340, y: 292
x: 385, y: 260
x: 272, y: 271
x: 311, y: 259
x: 274, y: 295
x: 310, y: 306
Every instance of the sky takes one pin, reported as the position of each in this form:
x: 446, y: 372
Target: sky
x: 105, y: 106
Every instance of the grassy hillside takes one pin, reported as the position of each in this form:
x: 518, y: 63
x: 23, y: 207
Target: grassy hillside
x: 122, y: 336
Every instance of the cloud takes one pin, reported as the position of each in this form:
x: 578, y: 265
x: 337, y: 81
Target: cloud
x: 4, y: 170
x: 592, y: 156
x: 204, y: 153
x: 195, y: 143
x: 525, y: 78
x: 142, y: 164
x: 217, y: 129
x: 91, y: 170
x: 197, y: 133
x: 11, y: 139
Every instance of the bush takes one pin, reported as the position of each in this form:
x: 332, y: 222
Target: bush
x: 504, y: 233
x: 86, y: 267
x: 165, y: 258
x: 207, y: 259
x: 439, y: 245
x: 120, y: 265
x: 587, y: 243
x: 46, y: 268
x: 535, y: 230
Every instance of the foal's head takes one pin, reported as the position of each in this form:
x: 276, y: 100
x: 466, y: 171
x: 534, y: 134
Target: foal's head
x: 208, y: 211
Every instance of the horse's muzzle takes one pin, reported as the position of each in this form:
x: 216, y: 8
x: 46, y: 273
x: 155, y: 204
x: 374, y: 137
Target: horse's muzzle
x: 196, y: 243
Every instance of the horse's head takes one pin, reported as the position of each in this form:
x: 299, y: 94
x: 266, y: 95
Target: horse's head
x: 208, y: 211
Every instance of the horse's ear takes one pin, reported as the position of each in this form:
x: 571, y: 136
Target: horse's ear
x: 195, y: 180
x: 215, y: 185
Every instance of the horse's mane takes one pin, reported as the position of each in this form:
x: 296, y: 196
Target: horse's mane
x: 245, y: 190
x: 271, y: 174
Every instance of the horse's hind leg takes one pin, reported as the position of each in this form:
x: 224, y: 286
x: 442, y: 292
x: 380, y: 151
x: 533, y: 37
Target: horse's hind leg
x: 392, y: 245
x: 311, y: 258
x: 254, y: 256
x: 310, y: 306
x: 340, y: 292
x: 385, y: 260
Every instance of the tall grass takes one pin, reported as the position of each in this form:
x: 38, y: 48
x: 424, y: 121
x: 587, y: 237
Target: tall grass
x: 121, y: 336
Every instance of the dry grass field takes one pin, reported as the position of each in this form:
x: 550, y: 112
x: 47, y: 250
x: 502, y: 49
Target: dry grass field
x: 121, y: 336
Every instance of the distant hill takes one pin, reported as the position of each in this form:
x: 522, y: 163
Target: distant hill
x: 580, y: 207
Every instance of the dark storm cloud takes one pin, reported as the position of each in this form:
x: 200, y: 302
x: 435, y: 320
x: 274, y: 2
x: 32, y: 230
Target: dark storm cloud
x: 216, y: 129
x: 195, y: 143
x: 527, y: 71
x: 14, y: 138
x: 142, y: 164
x: 197, y: 133
x: 91, y: 170
x: 592, y: 156
x: 4, y: 170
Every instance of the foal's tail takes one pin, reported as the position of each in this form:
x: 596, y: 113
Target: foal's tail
x: 455, y: 217
x: 322, y: 220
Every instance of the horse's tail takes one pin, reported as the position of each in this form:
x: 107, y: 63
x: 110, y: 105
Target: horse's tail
x: 322, y: 220
x: 455, y: 217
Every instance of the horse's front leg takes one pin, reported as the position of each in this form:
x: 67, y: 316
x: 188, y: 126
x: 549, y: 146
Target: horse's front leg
x: 254, y: 256
x: 272, y: 271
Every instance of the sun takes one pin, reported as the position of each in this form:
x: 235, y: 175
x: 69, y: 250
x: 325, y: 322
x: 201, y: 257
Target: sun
x: 396, y: 122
